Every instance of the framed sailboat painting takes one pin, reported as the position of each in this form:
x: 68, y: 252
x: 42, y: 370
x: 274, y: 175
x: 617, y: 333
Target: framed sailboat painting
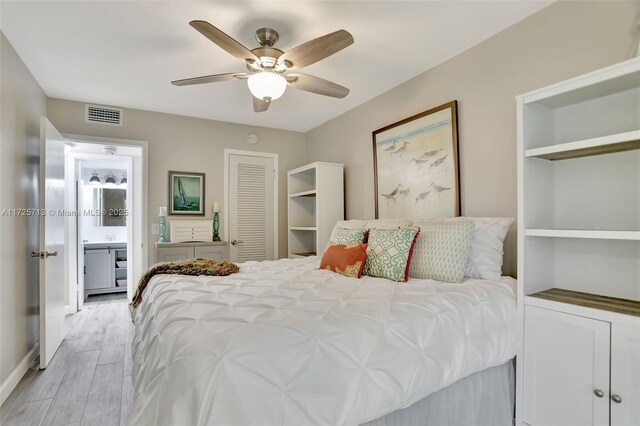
x: 186, y: 193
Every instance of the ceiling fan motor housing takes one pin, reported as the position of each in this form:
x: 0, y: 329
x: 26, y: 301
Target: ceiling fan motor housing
x: 267, y: 37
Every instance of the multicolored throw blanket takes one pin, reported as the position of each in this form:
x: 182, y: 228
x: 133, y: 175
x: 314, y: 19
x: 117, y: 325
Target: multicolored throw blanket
x: 184, y: 267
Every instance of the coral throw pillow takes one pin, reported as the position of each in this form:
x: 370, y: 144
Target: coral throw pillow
x: 345, y: 260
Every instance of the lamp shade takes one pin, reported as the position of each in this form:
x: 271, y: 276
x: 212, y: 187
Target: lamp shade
x: 216, y: 206
x: 110, y: 178
x: 162, y: 211
x: 267, y: 84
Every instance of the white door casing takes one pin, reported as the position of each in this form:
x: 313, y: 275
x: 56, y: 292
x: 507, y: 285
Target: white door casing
x: 566, y: 369
x: 251, y: 211
x: 625, y: 375
x: 52, y: 237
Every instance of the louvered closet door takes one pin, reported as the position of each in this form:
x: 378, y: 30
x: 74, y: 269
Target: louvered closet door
x: 251, y: 208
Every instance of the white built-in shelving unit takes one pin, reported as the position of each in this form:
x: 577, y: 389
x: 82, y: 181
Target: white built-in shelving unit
x: 316, y: 203
x: 579, y: 250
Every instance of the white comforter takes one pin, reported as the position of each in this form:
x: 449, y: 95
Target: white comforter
x: 286, y: 343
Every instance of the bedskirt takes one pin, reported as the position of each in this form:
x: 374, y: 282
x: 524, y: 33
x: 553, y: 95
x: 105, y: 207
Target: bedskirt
x: 484, y: 398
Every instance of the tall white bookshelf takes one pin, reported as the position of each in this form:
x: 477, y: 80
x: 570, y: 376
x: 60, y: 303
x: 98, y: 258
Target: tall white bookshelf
x: 579, y: 250
x: 316, y: 203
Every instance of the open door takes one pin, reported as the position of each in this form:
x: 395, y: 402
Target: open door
x: 52, y: 235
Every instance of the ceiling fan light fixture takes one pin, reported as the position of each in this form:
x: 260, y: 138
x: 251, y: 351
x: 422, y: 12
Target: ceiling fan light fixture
x: 267, y: 84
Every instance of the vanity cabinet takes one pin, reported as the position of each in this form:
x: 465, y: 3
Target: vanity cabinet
x: 105, y: 268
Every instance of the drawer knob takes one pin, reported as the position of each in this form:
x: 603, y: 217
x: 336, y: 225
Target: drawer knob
x: 598, y: 392
x: 616, y: 398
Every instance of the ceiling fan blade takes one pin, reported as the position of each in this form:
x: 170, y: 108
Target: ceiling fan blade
x: 224, y: 41
x: 317, y: 85
x: 210, y: 78
x: 317, y: 49
x: 260, y: 105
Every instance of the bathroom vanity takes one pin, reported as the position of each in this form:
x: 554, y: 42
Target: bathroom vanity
x: 105, y: 267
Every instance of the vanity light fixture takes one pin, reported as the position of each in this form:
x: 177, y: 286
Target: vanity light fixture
x: 95, y: 180
x: 110, y: 178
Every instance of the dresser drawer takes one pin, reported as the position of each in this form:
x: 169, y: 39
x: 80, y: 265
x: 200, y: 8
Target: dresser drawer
x: 213, y: 252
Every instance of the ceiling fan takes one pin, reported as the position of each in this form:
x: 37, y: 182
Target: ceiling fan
x: 269, y: 69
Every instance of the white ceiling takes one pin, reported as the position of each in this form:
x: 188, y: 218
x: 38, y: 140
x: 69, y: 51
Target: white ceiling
x: 125, y: 53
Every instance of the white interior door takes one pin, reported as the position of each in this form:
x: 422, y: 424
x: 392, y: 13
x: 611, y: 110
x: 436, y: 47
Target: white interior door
x: 52, y: 236
x: 78, y: 253
x: 251, y: 207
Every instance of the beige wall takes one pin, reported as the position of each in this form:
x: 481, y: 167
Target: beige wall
x: 564, y: 40
x: 22, y: 104
x: 188, y: 144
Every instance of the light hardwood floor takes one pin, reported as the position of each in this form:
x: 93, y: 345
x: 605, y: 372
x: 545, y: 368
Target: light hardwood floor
x: 88, y: 381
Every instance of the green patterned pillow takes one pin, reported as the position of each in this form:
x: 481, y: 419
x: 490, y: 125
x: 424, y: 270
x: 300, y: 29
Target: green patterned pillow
x: 347, y: 237
x: 441, y: 250
x: 389, y: 253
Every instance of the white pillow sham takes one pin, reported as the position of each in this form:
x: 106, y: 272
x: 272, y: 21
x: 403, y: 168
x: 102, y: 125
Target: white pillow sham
x: 487, y: 246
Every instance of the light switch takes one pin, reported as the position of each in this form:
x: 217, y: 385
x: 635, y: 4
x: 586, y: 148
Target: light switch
x: 155, y: 229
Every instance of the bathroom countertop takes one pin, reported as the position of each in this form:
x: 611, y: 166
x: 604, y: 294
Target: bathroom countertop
x: 105, y: 244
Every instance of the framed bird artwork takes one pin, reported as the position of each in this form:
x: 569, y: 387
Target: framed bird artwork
x: 416, y: 166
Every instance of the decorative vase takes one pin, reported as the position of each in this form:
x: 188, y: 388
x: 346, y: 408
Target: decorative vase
x: 216, y: 226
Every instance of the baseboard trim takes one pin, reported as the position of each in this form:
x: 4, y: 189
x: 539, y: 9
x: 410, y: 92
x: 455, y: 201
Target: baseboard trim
x: 16, y: 375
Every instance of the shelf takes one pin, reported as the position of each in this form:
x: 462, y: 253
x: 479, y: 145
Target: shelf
x: 311, y: 193
x: 302, y: 228
x: 597, y: 146
x: 613, y: 79
x: 612, y: 304
x: 576, y: 233
x: 305, y: 254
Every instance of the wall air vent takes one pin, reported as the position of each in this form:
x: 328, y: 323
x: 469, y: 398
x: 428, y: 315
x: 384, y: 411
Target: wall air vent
x: 103, y: 115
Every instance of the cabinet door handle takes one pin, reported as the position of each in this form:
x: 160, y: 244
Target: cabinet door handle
x: 616, y: 398
x: 598, y: 392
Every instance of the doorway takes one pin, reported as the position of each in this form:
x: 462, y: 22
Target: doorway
x: 105, y: 182
x: 251, y: 205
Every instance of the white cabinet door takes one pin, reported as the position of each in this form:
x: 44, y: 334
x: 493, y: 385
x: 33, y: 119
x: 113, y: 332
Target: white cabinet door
x: 98, y: 269
x: 566, y: 369
x: 171, y: 254
x: 212, y: 252
x: 625, y: 375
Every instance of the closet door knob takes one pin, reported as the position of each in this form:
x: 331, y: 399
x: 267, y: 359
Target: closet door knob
x: 616, y: 398
x: 598, y: 392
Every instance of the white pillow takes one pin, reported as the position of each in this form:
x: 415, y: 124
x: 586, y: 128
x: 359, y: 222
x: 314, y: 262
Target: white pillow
x: 487, y: 246
x: 388, y: 223
x: 351, y: 224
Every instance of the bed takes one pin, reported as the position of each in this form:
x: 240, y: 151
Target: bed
x: 285, y: 343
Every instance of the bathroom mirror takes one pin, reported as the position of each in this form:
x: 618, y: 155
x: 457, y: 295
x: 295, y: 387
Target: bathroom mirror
x: 111, y: 204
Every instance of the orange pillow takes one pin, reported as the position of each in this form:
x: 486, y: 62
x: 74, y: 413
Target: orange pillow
x: 345, y: 260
